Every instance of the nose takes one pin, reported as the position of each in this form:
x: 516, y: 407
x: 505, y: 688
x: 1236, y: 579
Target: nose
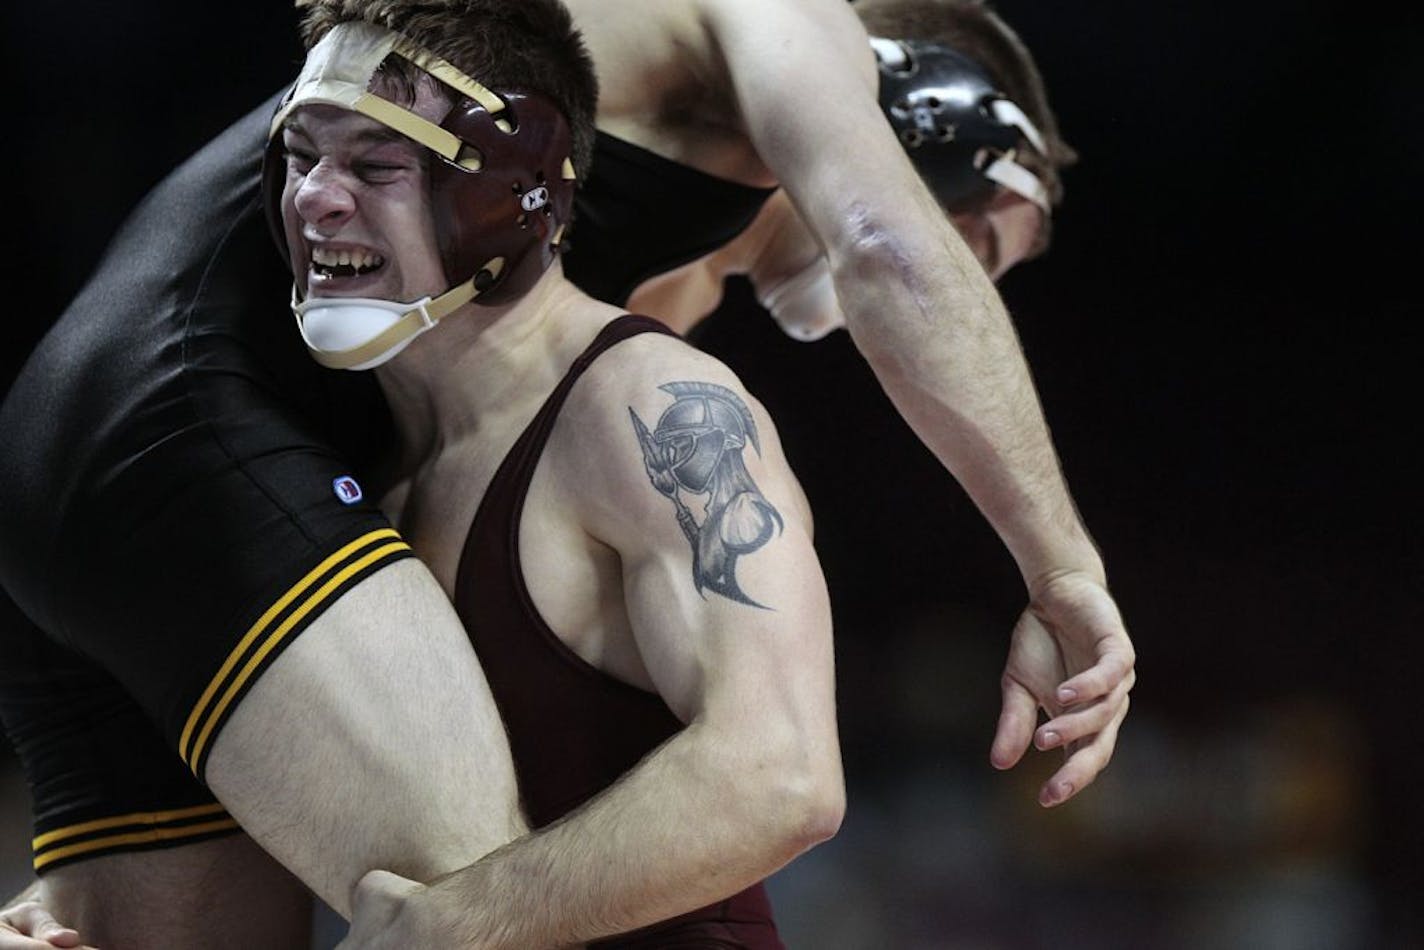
x: 323, y: 198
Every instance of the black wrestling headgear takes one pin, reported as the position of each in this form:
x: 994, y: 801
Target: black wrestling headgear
x: 961, y: 132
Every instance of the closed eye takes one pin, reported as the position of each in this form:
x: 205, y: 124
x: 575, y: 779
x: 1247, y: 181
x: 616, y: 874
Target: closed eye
x: 298, y: 160
x: 378, y: 173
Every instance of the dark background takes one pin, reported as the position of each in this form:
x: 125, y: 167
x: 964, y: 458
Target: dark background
x: 1226, y: 355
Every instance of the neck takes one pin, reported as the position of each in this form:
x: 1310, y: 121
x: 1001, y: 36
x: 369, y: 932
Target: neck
x: 481, y: 362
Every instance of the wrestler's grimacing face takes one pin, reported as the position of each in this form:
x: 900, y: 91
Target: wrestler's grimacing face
x: 356, y: 208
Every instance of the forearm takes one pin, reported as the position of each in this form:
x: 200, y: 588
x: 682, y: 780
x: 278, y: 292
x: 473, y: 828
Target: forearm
x: 916, y: 301
x: 934, y: 330
x: 698, y: 820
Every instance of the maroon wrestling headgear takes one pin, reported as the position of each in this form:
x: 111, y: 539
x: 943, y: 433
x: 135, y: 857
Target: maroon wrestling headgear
x: 502, y: 187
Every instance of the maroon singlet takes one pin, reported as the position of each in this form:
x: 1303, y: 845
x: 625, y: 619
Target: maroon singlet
x: 573, y: 729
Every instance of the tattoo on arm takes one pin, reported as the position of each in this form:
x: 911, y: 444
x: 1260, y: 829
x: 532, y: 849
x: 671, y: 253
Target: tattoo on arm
x: 696, y: 447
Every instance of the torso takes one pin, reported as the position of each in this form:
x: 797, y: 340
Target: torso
x: 573, y: 579
x: 542, y: 602
x: 662, y: 85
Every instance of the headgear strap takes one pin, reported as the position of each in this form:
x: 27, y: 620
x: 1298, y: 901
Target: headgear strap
x: 501, y: 185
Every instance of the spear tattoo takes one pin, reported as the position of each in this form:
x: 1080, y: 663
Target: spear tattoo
x: 697, y: 447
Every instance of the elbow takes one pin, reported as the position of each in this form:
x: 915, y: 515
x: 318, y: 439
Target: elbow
x: 869, y: 253
x: 808, y: 802
x: 885, y: 282
x: 822, y: 814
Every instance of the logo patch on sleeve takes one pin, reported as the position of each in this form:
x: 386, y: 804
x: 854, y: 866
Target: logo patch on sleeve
x: 346, y: 489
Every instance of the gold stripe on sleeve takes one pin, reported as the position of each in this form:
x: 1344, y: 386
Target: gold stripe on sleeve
x: 261, y: 638
x: 120, y: 841
x: 118, y: 821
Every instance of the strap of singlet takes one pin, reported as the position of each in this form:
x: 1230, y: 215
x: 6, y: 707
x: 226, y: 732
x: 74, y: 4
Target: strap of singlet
x: 624, y: 327
x: 511, y: 481
x: 504, y: 498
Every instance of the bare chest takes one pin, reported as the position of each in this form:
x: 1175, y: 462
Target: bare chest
x: 435, y: 508
x: 573, y: 581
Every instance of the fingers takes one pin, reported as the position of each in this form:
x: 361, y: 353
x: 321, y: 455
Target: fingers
x: 1114, y: 666
x: 1085, y: 761
x: 376, y: 904
x: 1071, y: 625
x: 28, y: 926
x: 383, y: 888
x: 1016, y: 721
x: 1080, y: 722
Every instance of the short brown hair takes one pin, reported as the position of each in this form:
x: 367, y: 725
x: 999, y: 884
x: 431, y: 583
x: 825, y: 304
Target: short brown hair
x: 972, y: 28
x: 511, y: 45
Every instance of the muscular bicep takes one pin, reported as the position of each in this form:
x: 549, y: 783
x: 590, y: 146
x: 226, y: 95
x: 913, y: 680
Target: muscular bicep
x: 708, y: 653
x: 721, y: 585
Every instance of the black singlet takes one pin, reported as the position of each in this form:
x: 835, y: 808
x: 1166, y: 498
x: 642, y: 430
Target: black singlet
x: 640, y: 215
x: 174, y: 510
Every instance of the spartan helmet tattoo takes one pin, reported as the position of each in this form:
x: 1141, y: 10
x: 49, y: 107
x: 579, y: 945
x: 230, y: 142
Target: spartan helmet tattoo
x: 696, y: 447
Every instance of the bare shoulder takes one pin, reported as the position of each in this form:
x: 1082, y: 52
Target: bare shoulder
x: 644, y: 51
x: 822, y: 28
x: 655, y: 419
x: 644, y: 375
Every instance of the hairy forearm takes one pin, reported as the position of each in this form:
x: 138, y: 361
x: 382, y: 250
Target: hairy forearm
x: 699, y: 819
x: 933, y: 328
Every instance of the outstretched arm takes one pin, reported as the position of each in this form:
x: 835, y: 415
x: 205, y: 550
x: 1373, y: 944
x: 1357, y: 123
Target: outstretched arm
x: 750, y: 782
x: 929, y: 321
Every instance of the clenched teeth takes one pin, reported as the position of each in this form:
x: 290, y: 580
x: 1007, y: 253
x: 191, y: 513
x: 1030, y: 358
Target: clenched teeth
x: 344, y: 262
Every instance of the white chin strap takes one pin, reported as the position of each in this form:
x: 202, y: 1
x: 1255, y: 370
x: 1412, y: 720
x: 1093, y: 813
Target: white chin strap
x: 1007, y: 172
x: 804, y: 305
x: 1013, y: 176
x: 361, y: 333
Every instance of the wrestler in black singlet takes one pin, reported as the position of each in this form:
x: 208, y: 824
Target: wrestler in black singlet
x: 176, y: 491
x: 173, y: 511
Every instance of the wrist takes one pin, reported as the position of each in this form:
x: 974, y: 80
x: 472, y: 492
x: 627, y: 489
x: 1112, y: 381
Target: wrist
x: 1041, y: 564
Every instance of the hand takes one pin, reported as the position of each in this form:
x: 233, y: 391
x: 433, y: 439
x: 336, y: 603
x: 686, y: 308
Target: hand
x: 377, y: 921
x: 28, y: 926
x: 1070, y: 655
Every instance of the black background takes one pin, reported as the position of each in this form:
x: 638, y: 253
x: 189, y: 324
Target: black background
x: 1221, y: 338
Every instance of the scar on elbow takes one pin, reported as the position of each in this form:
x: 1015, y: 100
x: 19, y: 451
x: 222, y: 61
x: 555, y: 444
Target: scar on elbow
x: 878, y: 252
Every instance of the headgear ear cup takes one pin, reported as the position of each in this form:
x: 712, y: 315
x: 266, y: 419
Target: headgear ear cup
x: 515, y: 204
x: 960, y: 132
